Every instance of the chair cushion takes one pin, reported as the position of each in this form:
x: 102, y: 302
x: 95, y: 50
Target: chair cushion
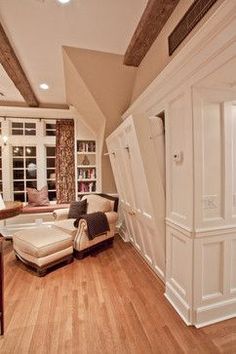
x: 77, y: 209
x: 66, y: 225
x: 41, y: 241
x: 97, y: 203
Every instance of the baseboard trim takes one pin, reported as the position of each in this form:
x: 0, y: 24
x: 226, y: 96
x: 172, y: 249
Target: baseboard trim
x: 180, y: 306
x: 221, y: 311
x: 154, y: 268
x: 123, y: 234
x: 159, y: 272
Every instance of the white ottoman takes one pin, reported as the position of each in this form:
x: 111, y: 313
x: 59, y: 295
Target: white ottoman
x: 43, y: 247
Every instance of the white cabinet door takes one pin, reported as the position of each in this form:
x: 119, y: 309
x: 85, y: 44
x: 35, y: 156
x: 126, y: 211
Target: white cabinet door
x: 131, y: 183
x: 121, y: 170
x: 141, y: 213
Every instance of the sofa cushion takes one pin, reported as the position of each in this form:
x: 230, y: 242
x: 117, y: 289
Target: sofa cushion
x: 67, y: 225
x: 41, y: 241
x: 37, y: 198
x: 77, y: 209
x: 97, y: 203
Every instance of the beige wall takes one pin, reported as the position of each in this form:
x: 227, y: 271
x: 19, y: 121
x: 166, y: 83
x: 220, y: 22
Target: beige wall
x: 157, y: 57
x: 100, y: 87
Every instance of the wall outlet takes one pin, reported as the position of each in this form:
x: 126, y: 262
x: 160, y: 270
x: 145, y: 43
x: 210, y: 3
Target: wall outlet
x: 210, y: 201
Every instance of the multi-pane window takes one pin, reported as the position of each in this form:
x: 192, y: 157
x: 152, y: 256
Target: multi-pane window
x: 24, y: 171
x: 50, y: 129
x: 51, y: 173
x: 0, y: 169
x: 23, y: 128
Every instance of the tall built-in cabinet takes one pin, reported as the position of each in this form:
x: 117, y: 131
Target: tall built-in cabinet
x: 197, y: 93
x: 144, y: 230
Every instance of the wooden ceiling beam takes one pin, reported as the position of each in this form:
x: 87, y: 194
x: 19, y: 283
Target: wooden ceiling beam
x: 150, y: 25
x: 13, y: 68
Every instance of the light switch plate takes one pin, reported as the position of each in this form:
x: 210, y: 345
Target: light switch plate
x: 210, y: 201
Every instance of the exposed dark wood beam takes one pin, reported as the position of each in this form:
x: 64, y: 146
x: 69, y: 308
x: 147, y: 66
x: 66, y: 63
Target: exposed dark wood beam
x: 150, y: 25
x: 13, y: 68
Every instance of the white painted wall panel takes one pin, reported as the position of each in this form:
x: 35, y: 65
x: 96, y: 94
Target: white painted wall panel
x: 212, y: 271
x: 178, y: 253
x: 176, y: 118
x: 179, y: 262
x: 233, y: 267
x: 212, y: 159
x: 233, y: 137
x: 179, y: 267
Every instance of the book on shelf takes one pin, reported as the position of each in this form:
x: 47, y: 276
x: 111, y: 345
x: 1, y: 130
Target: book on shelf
x: 87, y: 173
x: 85, y: 187
x: 86, y: 146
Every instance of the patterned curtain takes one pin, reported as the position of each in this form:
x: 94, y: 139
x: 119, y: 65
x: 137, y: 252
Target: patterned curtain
x: 65, y: 161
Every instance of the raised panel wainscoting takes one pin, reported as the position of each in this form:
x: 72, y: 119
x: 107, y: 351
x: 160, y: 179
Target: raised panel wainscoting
x: 214, y: 292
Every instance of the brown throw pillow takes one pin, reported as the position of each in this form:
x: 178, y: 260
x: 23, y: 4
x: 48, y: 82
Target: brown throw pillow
x: 77, y: 209
x: 38, y: 198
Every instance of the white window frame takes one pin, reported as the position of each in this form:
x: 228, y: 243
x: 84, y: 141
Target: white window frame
x: 40, y: 140
x: 24, y: 168
x: 23, y: 129
x: 45, y: 128
x: 50, y: 168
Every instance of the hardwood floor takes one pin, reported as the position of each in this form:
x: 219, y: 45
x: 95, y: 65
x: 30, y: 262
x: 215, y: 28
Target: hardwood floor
x: 111, y: 303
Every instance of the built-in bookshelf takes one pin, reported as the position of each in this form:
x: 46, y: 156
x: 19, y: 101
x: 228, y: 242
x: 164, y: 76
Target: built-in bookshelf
x: 86, y: 166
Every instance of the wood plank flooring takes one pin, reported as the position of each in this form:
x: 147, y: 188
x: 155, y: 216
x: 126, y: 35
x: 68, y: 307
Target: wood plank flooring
x: 111, y: 303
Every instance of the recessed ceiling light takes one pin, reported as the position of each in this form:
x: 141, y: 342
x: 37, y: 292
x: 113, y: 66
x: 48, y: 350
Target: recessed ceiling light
x: 44, y: 86
x: 63, y: 1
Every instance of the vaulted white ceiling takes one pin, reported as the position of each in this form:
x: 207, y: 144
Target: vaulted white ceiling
x: 37, y: 30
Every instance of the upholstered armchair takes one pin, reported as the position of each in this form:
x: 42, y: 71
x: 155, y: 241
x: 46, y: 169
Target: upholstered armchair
x: 82, y: 244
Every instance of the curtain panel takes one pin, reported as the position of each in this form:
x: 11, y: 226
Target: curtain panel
x: 65, y: 161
